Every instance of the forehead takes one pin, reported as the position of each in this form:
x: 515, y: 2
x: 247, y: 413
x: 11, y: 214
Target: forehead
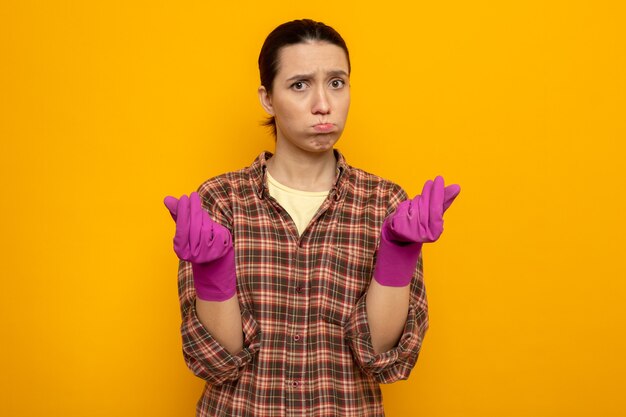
x: 311, y: 57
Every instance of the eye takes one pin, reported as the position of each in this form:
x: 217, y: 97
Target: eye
x: 337, y: 83
x: 298, y: 85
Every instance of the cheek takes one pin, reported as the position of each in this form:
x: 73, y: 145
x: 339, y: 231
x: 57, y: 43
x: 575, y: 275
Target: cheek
x: 344, y: 106
x: 289, y: 110
x: 287, y: 117
x: 284, y: 114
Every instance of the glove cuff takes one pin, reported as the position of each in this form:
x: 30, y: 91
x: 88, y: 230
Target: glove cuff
x: 216, y: 280
x: 395, y: 261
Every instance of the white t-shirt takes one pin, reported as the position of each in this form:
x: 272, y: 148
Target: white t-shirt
x: 301, y: 205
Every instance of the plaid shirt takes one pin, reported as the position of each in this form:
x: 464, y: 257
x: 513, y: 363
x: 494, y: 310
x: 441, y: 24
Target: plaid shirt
x: 307, y: 345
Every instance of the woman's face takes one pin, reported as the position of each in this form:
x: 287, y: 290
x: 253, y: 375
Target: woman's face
x: 310, y: 96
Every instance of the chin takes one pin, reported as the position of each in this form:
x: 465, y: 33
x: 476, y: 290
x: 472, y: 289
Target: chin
x: 320, y: 148
x: 325, y: 142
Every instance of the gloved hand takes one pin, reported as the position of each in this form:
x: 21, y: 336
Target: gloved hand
x: 207, y: 245
x: 414, y: 222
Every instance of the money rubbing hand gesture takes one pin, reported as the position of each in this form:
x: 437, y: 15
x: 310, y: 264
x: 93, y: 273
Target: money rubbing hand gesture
x: 207, y: 245
x: 413, y: 223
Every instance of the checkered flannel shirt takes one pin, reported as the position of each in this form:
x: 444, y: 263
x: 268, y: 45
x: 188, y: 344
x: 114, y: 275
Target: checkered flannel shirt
x: 307, y: 345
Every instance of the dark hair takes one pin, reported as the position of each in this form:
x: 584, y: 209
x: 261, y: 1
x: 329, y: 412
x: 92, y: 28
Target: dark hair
x: 291, y: 33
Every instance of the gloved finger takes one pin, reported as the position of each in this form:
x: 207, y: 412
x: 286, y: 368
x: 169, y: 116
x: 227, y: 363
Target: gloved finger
x: 450, y: 193
x: 395, y: 219
x: 424, y: 211
x: 172, y: 205
x: 401, y: 214
x: 404, y: 219
x: 207, y: 240
x: 435, y: 220
x: 181, y: 238
x: 195, y: 224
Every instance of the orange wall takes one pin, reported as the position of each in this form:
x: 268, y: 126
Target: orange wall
x: 106, y: 107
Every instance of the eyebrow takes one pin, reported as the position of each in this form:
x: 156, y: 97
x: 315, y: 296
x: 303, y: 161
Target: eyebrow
x: 333, y: 73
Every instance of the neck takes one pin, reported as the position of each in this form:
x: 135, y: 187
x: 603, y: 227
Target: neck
x: 304, y: 171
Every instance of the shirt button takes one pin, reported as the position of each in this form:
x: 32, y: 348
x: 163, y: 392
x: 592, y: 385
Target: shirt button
x: 295, y: 384
x: 296, y: 338
x: 298, y: 289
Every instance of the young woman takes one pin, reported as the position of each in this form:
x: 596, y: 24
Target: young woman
x: 300, y: 278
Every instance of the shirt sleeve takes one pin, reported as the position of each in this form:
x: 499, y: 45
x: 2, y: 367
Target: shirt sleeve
x: 204, y: 356
x: 396, y: 363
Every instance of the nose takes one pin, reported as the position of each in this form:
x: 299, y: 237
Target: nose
x: 321, y: 104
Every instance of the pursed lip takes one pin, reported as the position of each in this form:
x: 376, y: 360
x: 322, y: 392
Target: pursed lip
x: 324, y: 127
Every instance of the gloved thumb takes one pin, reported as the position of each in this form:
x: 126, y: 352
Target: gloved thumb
x: 172, y: 205
x: 449, y: 194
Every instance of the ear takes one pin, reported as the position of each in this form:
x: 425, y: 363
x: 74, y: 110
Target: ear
x: 266, y: 100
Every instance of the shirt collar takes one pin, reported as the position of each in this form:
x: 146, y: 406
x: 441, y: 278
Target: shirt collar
x: 259, y: 166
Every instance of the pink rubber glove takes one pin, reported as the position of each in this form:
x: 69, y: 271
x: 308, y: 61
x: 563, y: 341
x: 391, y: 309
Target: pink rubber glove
x: 414, y: 222
x: 207, y: 245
